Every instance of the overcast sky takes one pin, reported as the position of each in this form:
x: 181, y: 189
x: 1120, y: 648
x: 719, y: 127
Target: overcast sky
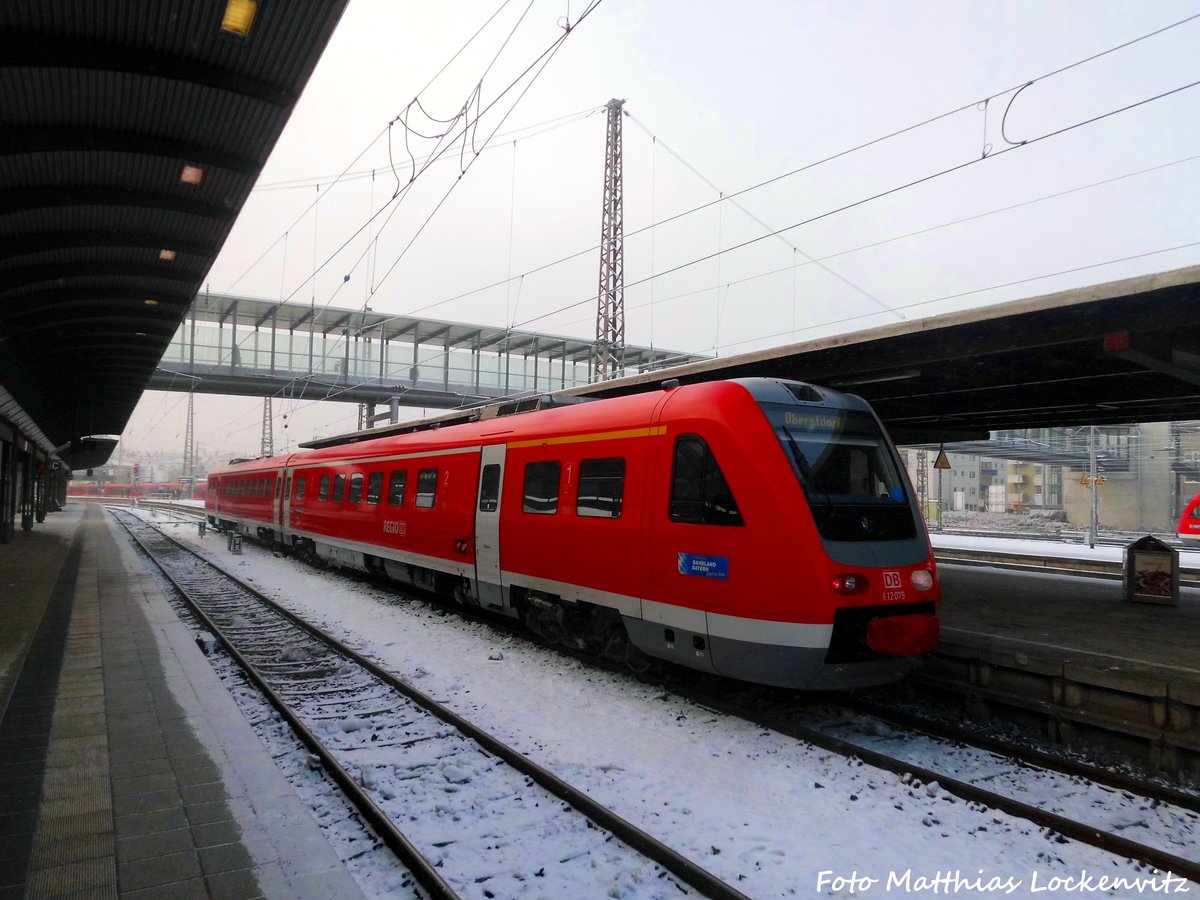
x: 721, y: 96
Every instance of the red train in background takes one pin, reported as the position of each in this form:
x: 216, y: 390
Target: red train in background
x: 1189, y: 521
x: 758, y: 529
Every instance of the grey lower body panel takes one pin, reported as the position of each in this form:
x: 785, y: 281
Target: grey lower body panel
x: 800, y: 668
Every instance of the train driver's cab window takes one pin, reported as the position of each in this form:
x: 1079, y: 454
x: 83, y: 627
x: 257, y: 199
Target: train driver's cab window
x: 356, y: 486
x: 324, y: 490
x: 699, y: 493
x: 339, y: 488
x: 541, y: 488
x: 375, y: 487
x: 601, y: 487
x: 427, y: 482
x: 299, y: 487
x: 489, y: 488
x: 397, y: 484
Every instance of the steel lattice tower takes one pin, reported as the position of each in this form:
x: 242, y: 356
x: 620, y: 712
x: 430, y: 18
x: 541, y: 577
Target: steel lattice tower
x: 922, y: 474
x: 608, y: 356
x: 188, y: 475
x: 267, y: 447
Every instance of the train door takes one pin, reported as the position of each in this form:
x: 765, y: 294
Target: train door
x: 489, y: 586
x: 283, y: 490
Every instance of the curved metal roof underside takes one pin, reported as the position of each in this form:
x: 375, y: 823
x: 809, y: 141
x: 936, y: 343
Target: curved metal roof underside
x: 105, y: 104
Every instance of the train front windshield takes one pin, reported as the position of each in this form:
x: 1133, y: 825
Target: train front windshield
x: 848, y: 472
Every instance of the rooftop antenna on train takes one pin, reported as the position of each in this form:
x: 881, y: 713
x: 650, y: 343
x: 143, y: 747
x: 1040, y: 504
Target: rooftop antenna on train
x: 608, y: 356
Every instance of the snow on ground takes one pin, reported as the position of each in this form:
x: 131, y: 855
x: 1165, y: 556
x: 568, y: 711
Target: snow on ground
x: 1188, y: 559
x: 770, y: 815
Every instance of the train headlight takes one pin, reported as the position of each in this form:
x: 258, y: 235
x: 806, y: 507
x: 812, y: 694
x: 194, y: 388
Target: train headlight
x: 851, y: 583
x: 922, y: 579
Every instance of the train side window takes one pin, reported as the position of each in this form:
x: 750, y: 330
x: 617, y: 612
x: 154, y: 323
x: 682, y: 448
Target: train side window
x: 397, y: 484
x: 541, y: 488
x: 324, y: 490
x: 489, y: 488
x: 427, y: 482
x: 356, y: 484
x: 374, y: 487
x: 299, y: 487
x: 601, y: 487
x: 339, y: 488
x: 699, y: 493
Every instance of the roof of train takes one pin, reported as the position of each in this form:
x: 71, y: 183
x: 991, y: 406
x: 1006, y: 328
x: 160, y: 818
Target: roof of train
x: 548, y: 423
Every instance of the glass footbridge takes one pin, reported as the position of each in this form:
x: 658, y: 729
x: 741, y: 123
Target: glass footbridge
x: 261, y: 348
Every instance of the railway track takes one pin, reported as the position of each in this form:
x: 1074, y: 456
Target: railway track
x: 1154, y: 824
x: 468, y: 815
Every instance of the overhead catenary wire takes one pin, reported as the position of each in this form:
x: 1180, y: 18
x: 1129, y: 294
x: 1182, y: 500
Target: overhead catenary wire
x: 910, y: 234
x: 730, y: 197
x: 888, y: 192
x: 1039, y: 138
x: 544, y: 58
x: 758, y: 221
x: 294, y: 403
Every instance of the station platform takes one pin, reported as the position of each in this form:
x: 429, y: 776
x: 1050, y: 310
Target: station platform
x: 126, y: 769
x: 1072, y: 657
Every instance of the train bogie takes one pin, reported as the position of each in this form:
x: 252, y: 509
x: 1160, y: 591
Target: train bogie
x: 757, y: 529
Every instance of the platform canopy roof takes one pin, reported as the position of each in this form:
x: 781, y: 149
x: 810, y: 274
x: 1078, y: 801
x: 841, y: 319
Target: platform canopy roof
x: 131, y: 134
x: 1116, y: 353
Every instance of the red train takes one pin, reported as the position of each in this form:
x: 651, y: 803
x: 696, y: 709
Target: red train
x: 1189, y: 521
x: 758, y: 529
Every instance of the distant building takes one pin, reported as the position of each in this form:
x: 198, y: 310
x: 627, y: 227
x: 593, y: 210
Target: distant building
x: 1145, y: 474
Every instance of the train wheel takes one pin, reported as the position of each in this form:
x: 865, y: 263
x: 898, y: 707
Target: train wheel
x: 637, y: 661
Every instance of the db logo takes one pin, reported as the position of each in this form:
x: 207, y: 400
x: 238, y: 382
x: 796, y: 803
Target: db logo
x: 891, y: 581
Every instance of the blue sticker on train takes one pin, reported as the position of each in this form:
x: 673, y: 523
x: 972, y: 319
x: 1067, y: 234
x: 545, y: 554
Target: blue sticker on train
x: 704, y: 566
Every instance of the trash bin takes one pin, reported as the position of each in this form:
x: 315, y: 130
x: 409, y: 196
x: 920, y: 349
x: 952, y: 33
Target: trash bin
x: 1151, y: 572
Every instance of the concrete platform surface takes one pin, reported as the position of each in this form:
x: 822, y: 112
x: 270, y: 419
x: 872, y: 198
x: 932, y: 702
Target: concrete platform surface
x: 126, y: 769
